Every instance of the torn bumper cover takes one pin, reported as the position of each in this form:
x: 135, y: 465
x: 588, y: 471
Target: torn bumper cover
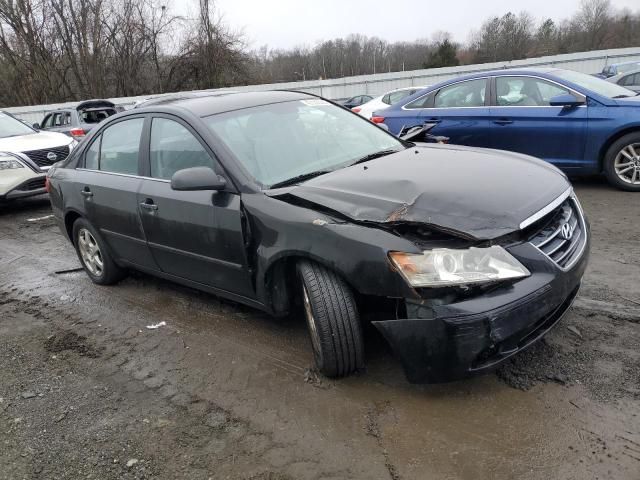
x: 450, y: 342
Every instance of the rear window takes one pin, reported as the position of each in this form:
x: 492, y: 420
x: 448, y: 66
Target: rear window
x: 96, y: 115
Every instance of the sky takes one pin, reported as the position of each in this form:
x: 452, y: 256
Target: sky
x: 288, y: 23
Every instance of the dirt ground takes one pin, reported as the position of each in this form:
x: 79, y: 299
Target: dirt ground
x: 222, y: 391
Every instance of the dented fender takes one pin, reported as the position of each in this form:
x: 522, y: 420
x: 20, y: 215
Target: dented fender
x: 358, y: 253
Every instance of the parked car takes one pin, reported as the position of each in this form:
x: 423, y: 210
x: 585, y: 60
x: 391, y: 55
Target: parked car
x: 77, y: 122
x: 383, y: 101
x: 356, y: 101
x: 282, y: 200
x: 26, y: 155
x: 618, y: 68
x: 580, y: 123
x: 630, y: 80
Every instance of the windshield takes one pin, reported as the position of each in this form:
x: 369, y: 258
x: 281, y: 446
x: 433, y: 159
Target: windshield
x: 10, y: 127
x: 282, y: 141
x: 628, y: 67
x: 595, y: 84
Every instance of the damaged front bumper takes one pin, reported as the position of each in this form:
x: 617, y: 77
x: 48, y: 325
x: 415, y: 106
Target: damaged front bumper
x: 448, y: 342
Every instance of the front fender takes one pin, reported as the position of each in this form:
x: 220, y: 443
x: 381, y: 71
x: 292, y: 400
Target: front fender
x: 358, y: 253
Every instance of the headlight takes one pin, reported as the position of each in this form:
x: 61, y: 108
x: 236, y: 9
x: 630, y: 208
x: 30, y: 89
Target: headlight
x: 443, y: 267
x: 7, y: 162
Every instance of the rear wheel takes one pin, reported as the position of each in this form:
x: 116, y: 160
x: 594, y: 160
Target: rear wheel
x: 332, y: 319
x: 93, y: 254
x: 622, y: 163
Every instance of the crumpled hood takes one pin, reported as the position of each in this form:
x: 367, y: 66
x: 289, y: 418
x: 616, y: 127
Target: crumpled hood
x: 478, y: 193
x: 35, y: 141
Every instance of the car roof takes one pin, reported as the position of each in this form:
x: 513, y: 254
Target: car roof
x: 203, y: 106
x: 625, y: 63
x: 174, y: 97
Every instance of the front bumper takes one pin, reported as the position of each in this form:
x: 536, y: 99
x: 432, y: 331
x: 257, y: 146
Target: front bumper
x: 20, y: 183
x: 448, y: 342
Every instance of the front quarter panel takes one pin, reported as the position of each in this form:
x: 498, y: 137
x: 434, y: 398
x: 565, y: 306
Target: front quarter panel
x: 358, y: 253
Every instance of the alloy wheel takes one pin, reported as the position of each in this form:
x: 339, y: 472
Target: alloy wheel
x: 627, y: 164
x: 90, y: 252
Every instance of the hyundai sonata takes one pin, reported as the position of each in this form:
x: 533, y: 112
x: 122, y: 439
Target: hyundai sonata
x: 288, y: 203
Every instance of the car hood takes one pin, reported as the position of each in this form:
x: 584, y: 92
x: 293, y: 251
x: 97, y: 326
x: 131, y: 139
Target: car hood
x: 35, y: 141
x: 629, y: 102
x: 476, y: 193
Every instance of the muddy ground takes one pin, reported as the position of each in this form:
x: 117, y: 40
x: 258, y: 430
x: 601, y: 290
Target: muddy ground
x: 223, y: 391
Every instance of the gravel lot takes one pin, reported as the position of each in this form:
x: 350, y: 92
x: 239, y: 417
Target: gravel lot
x: 223, y: 391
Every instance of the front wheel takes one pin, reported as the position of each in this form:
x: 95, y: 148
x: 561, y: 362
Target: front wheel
x: 332, y: 319
x: 622, y: 163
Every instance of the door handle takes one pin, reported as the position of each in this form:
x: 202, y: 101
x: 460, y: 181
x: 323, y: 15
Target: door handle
x: 503, y: 121
x: 433, y: 120
x: 149, y: 205
x: 86, y: 192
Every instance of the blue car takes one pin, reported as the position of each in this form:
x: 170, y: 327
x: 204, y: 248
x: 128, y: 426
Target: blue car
x: 580, y: 123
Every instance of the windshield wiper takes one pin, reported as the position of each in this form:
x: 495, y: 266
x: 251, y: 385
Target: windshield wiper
x: 623, y: 96
x: 299, y: 178
x: 373, y: 156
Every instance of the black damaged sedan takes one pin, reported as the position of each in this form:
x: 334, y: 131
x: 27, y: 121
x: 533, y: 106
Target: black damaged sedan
x: 283, y: 201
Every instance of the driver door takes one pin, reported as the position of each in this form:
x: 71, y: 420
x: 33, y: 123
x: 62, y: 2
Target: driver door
x: 194, y: 235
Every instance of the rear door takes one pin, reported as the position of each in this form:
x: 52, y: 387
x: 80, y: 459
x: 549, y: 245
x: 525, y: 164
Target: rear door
x: 194, y: 235
x: 523, y: 120
x: 461, y: 112
x: 108, y: 182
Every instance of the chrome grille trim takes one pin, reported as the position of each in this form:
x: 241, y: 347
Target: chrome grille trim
x: 548, y: 240
x: 548, y: 209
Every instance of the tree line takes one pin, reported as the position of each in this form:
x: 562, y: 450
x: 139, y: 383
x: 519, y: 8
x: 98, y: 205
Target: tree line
x: 63, y: 50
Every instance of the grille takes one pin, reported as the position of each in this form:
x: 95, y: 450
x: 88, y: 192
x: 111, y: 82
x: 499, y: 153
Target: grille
x: 34, y: 184
x: 39, y: 157
x: 562, y: 234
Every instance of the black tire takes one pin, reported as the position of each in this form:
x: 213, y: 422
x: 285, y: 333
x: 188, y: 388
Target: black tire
x: 337, y: 342
x: 109, y: 273
x: 610, y: 158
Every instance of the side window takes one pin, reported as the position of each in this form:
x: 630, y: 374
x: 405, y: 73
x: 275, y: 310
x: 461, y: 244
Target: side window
x: 395, y: 97
x: 46, y: 123
x: 66, y: 119
x: 387, y: 99
x: 120, y: 145
x: 174, y: 148
x: 422, y: 102
x: 92, y: 155
x: 464, y: 94
x: 525, y: 92
x: 57, y: 119
x: 630, y: 80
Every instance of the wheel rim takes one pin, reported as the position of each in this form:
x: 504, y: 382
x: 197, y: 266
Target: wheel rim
x: 311, y: 323
x: 90, y: 252
x: 627, y: 164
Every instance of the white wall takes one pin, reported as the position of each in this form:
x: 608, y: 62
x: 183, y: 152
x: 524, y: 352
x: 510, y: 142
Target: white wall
x: 586, y: 62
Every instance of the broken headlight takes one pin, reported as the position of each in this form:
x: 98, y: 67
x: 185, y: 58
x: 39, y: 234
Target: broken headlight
x: 8, y: 162
x: 444, y: 267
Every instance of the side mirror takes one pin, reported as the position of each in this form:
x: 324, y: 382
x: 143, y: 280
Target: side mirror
x: 197, y: 178
x: 565, y: 100
x: 36, y: 126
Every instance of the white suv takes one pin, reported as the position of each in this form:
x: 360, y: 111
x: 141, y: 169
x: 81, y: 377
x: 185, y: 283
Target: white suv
x: 26, y: 155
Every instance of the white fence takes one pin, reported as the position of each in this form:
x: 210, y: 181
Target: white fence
x: 586, y: 62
